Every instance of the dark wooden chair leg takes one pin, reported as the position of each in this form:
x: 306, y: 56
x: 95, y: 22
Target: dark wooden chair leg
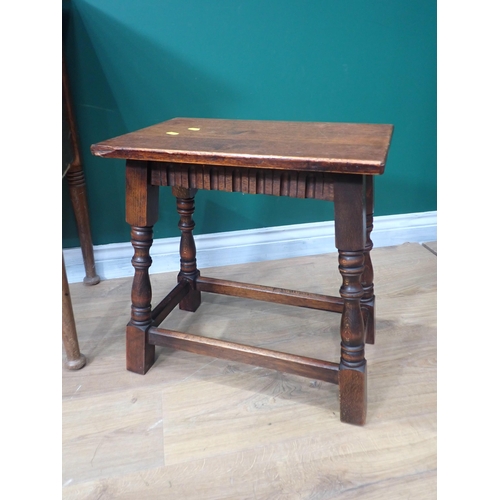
x: 141, y: 214
x: 77, y: 189
x: 78, y: 196
x: 350, y: 234
x: 368, y: 300
x: 74, y: 358
x: 189, y: 271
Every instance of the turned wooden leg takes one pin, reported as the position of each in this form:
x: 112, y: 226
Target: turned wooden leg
x: 140, y: 354
x: 74, y: 358
x: 350, y: 234
x: 352, y: 372
x: 185, y: 208
x: 78, y: 195
x: 368, y: 300
x: 141, y: 214
x: 77, y: 188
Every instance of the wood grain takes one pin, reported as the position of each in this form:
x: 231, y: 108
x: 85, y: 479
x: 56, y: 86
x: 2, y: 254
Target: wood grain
x: 198, y: 427
x: 266, y: 358
x: 301, y: 146
x: 271, y: 294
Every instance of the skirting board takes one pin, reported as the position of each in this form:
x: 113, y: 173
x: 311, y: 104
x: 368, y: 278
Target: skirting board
x: 253, y: 245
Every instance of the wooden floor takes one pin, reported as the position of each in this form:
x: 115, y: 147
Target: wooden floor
x: 199, y: 428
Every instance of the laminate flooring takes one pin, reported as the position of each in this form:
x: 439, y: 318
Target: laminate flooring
x: 200, y: 428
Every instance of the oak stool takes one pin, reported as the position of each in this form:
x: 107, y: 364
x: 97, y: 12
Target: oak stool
x: 326, y: 161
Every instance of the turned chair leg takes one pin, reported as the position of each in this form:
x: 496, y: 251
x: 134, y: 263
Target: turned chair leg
x: 74, y: 358
x: 78, y: 195
x: 77, y: 189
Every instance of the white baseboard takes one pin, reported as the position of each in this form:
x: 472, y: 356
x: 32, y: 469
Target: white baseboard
x: 253, y: 245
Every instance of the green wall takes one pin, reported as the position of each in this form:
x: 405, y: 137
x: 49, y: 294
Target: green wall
x: 135, y: 63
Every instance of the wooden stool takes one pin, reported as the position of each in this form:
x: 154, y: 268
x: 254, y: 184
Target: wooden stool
x: 327, y: 161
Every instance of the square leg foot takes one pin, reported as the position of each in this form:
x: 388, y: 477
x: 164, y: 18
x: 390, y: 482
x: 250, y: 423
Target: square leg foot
x: 353, y: 395
x: 191, y: 302
x: 140, y: 354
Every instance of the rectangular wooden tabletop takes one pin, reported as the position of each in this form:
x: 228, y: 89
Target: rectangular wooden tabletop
x: 303, y: 146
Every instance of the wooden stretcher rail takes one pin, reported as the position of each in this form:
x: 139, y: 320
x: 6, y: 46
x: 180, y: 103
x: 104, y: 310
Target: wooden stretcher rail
x: 288, y: 363
x: 163, y: 309
x: 270, y: 294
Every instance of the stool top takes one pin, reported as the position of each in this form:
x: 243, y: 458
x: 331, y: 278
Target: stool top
x: 304, y: 146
